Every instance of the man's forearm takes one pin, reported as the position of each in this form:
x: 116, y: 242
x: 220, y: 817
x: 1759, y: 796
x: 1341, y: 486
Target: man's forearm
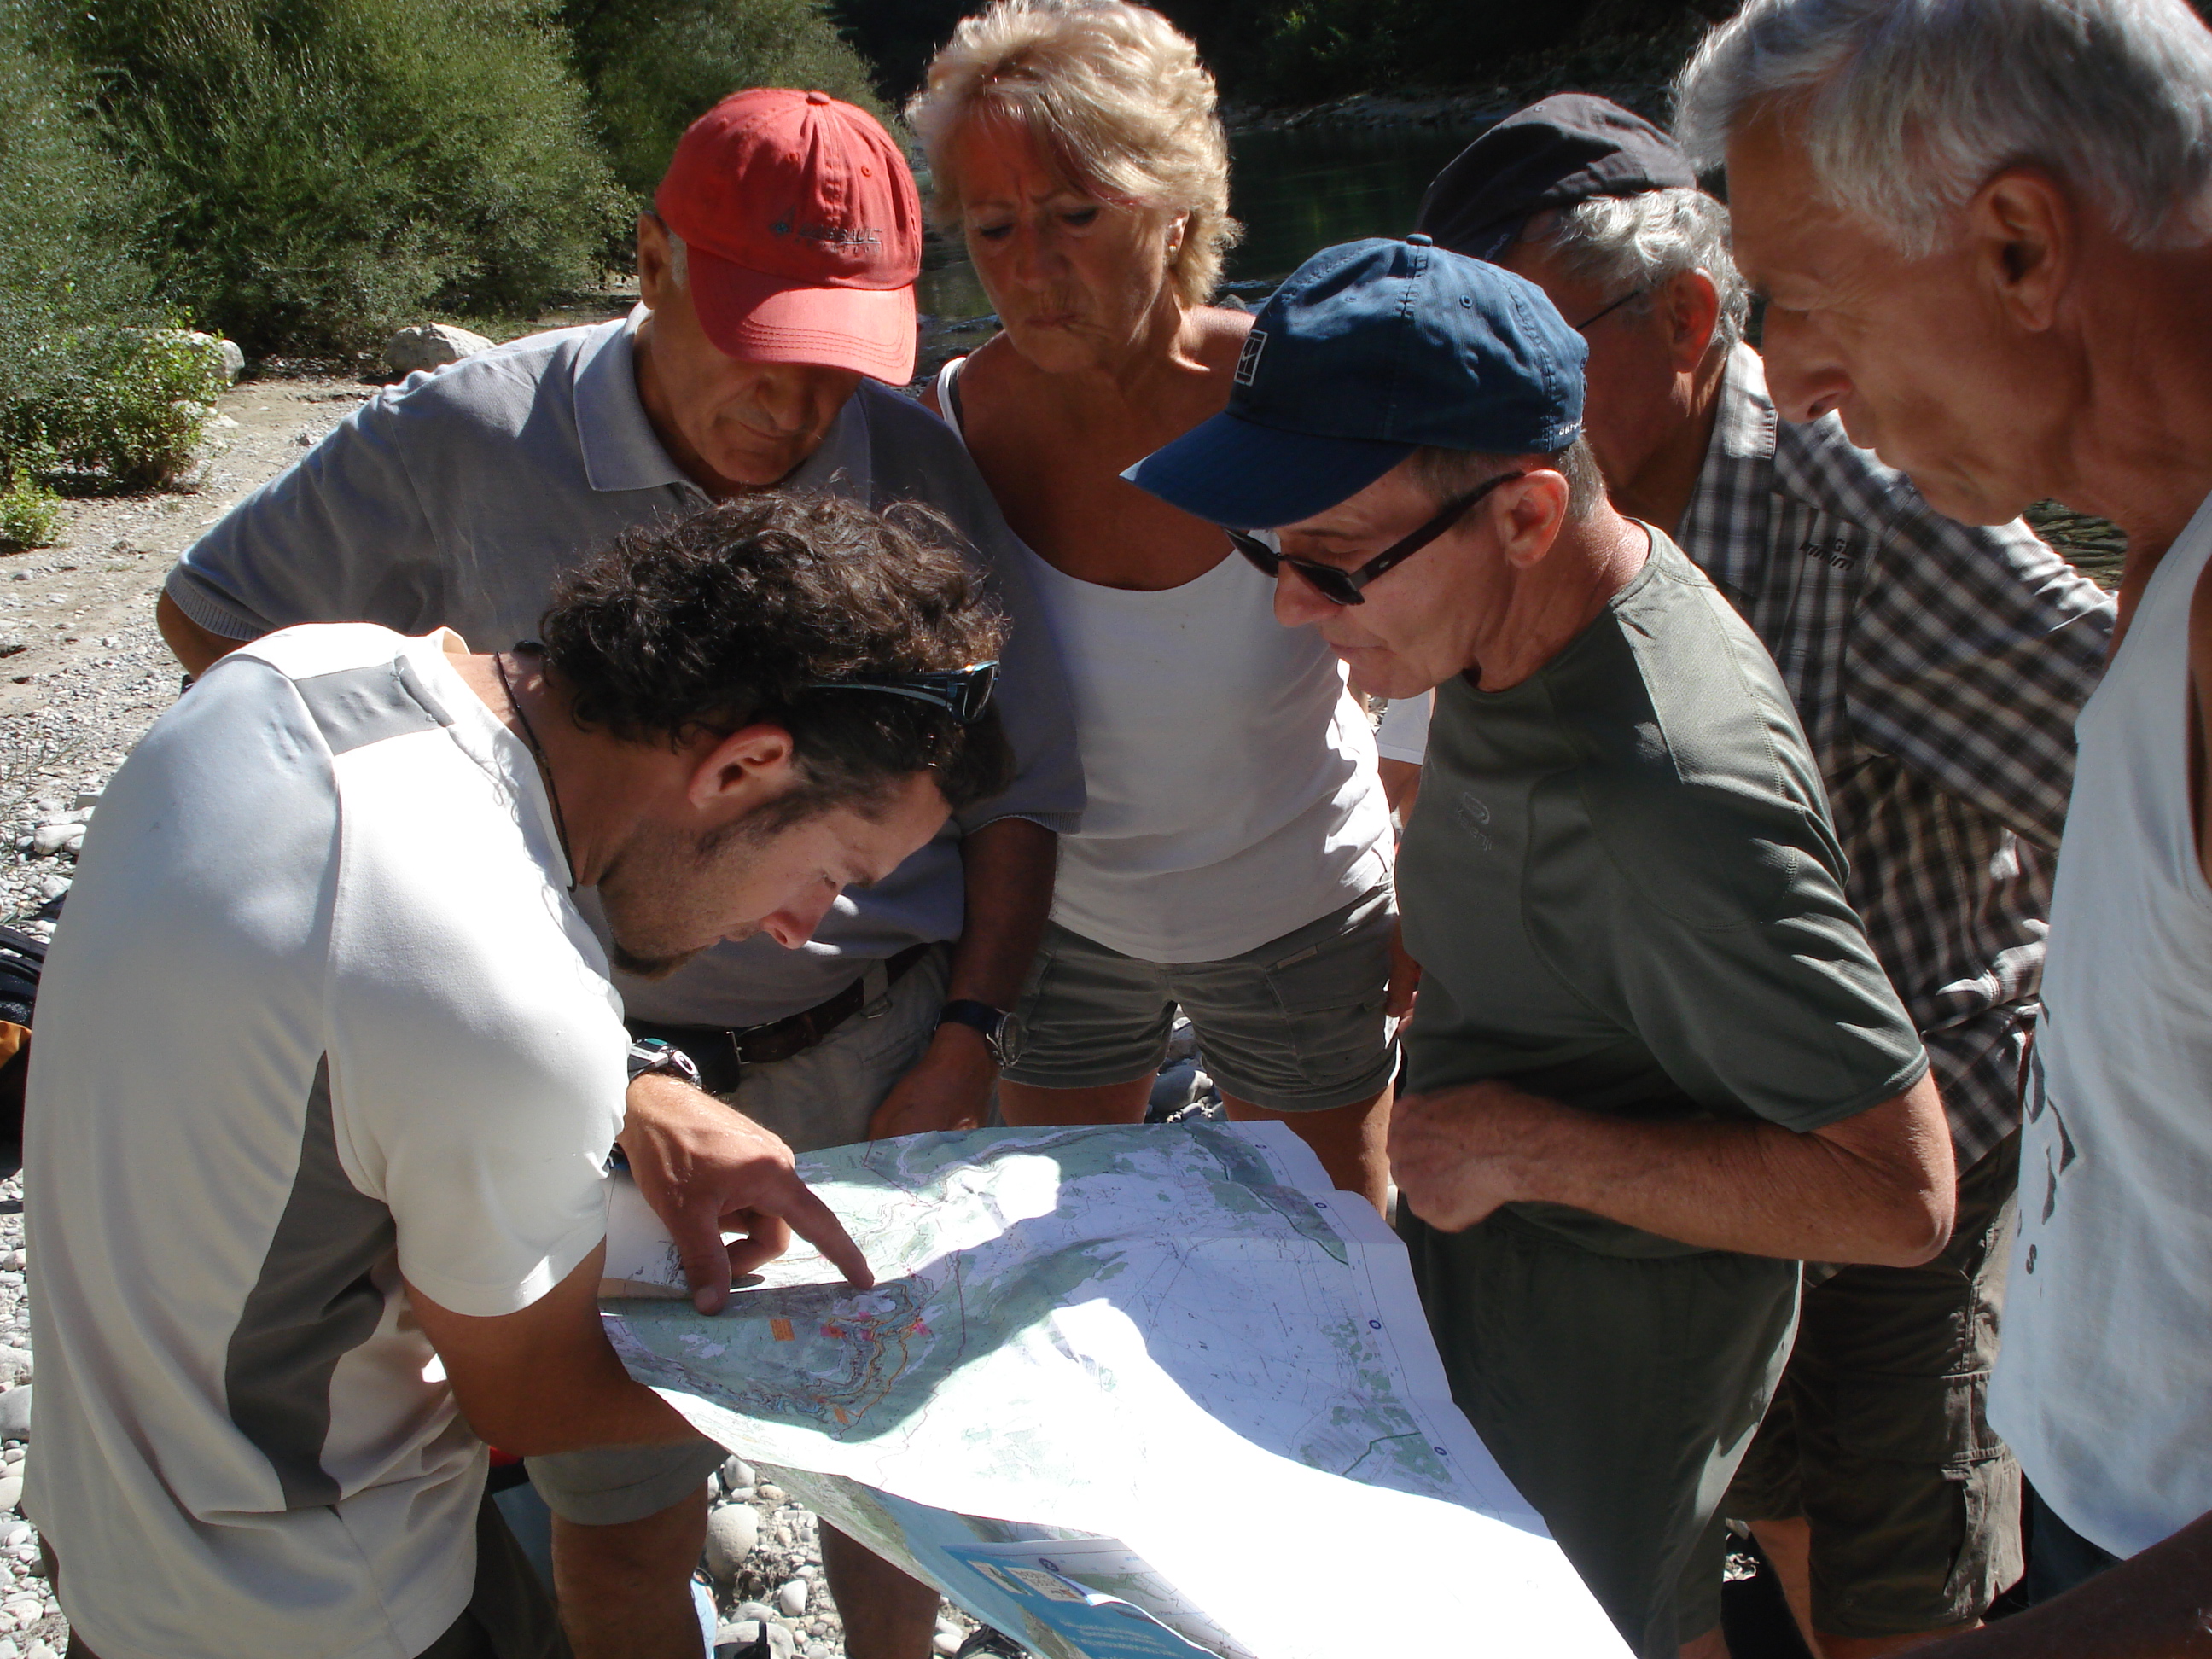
x: 1747, y: 1187
x: 2157, y: 1605
x: 194, y: 648
x: 1008, y: 868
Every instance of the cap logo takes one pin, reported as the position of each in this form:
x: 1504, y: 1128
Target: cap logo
x: 863, y: 236
x: 1248, y: 361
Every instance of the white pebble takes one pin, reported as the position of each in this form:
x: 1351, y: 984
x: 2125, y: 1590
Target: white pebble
x: 736, y: 1473
x: 791, y: 1599
x: 768, y: 1494
x: 11, y: 1492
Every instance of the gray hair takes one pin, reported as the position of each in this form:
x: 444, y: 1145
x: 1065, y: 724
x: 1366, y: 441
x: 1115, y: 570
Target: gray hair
x: 1641, y: 243
x: 1906, y: 107
x: 1447, y: 474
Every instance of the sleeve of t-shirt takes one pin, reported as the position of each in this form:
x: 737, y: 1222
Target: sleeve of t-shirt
x: 341, y: 537
x: 477, y: 1051
x: 1404, y: 734
x: 1729, y: 949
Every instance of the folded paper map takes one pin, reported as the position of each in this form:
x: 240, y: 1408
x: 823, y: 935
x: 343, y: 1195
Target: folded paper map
x: 1117, y: 1391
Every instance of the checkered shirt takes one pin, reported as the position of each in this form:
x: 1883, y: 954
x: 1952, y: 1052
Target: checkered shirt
x: 1937, y: 668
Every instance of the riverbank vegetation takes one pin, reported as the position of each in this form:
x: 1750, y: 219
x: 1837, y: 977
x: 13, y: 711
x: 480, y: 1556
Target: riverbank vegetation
x: 302, y: 176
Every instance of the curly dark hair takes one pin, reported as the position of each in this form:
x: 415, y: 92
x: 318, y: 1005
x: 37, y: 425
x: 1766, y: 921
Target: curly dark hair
x: 727, y: 617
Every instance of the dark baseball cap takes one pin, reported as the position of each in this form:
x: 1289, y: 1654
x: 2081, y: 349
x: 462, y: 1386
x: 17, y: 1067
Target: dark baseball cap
x: 1564, y: 150
x: 1369, y: 351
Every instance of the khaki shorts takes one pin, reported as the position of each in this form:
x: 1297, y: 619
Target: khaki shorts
x: 1879, y: 1435
x: 1618, y: 1393
x: 822, y: 1098
x: 1294, y: 1025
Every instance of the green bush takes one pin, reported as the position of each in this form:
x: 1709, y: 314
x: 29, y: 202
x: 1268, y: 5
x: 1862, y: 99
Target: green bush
x: 91, y: 390
x: 29, y: 516
x: 654, y: 66
x: 310, y: 173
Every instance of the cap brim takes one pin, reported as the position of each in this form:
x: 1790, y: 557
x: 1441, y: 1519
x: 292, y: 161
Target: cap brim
x: 772, y: 319
x: 1234, y: 471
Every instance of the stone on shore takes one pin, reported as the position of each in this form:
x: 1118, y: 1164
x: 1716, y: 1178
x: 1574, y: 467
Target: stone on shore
x: 431, y: 345
x: 16, y: 1413
x: 731, y: 1533
x: 791, y: 1599
x: 15, y: 1366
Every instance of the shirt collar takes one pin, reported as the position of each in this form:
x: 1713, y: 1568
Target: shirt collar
x: 1724, y: 532
x: 622, y: 451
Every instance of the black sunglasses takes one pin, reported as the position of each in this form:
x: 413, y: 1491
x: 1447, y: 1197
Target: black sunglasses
x: 1342, y: 586
x: 962, y: 693
x: 1596, y: 316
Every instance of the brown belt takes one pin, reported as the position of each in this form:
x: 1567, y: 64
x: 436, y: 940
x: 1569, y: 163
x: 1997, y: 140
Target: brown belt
x: 719, y: 1051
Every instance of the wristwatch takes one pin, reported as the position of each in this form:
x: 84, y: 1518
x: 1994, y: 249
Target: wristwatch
x: 1002, y: 1032
x: 652, y: 1054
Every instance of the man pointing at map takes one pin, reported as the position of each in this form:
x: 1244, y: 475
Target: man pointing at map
x: 1655, y: 1062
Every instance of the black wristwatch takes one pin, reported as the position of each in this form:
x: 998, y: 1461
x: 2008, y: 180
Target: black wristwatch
x: 652, y: 1054
x: 1002, y: 1032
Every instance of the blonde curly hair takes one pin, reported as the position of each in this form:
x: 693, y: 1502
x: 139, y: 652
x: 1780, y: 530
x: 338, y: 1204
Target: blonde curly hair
x: 1113, y: 92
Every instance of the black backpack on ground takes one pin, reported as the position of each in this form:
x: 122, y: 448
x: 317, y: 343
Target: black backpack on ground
x: 21, y: 958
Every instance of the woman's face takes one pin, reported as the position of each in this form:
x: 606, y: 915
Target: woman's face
x: 1075, y: 280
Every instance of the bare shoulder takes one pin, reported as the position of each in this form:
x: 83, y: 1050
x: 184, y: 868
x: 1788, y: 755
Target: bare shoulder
x: 1221, y: 334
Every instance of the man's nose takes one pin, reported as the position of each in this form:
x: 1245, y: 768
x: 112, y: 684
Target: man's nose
x: 1804, y: 374
x: 1297, y: 603
x: 793, y: 925
x: 789, y: 402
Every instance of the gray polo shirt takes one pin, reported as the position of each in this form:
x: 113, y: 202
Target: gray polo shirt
x: 457, y: 498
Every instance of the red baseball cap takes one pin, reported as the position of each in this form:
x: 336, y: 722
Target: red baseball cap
x: 803, y: 230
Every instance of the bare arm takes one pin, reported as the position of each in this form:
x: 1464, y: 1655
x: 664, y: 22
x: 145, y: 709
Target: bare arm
x: 194, y: 647
x: 1876, y: 1187
x: 1009, y: 866
x: 544, y: 1379
x: 2157, y: 1605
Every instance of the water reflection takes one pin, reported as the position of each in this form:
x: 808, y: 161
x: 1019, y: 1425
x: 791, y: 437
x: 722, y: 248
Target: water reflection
x: 1297, y: 192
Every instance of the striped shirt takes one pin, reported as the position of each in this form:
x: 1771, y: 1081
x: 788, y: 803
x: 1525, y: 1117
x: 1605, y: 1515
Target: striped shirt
x: 1938, y: 668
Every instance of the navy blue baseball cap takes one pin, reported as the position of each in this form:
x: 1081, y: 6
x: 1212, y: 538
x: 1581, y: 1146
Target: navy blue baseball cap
x: 1369, y: 351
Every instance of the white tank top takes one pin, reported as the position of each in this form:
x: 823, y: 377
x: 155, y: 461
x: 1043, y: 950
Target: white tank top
x: 2104, y: 1382
x: 1233, y: 791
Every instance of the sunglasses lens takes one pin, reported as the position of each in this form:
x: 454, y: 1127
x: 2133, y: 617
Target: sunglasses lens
x: 1263, y: 558
x: 977, y: 693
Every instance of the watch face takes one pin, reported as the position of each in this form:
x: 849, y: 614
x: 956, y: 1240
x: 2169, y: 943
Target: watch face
x: 1007, y: 1045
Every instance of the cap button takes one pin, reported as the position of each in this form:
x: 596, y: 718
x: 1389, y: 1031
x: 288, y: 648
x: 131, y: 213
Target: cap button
x: 1418, y: 240
x: 818, y: 98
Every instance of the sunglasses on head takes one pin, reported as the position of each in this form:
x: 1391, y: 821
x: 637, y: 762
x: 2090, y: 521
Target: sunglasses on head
x: 1340, y: 587
x: 962, y: 693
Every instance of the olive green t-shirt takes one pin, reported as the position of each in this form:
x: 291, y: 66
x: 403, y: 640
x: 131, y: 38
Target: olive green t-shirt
x: 1622, y: 886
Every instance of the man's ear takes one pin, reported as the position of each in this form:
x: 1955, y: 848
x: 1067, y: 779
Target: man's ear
x: 1691, y: 306
x: 654, y: 260
x: 752, y: 765
x: 1531, y: 510
x: 2023, y: 235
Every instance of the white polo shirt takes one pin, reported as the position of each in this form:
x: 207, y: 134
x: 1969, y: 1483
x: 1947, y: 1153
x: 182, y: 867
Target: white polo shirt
x: 320, y: 1015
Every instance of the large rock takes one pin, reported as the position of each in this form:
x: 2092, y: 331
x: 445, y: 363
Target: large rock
x: 431, y: 346
x: 16, y: 1413
x: 732, y: 1532
x: 225, y: 352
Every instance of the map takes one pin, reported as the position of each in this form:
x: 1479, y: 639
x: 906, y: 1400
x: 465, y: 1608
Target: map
x: 1100, y: 1372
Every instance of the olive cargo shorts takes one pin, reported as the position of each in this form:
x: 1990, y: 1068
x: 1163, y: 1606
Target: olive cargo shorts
x: 1879, y: 1435
x: 1618, y: 1393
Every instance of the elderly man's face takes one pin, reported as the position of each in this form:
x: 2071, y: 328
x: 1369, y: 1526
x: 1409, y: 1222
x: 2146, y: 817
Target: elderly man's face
x: 1420, y: 623
x: 1917, y: 356
x: 1636, y: 394
x: 746, y: 423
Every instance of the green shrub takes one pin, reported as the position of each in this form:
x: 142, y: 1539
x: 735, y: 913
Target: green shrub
x: 654, y: 66
x: 29, y: 516
x: 310, y: 173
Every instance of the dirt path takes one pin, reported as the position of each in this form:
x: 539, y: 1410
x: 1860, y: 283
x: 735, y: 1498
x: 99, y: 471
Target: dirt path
x: 82, y: 671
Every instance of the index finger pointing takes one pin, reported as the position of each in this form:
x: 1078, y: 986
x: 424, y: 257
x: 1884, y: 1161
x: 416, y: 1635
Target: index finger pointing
x: 815, y: 1222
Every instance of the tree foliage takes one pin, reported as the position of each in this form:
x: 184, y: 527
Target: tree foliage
x: 654, y: 66
x: 309, y: 172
